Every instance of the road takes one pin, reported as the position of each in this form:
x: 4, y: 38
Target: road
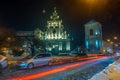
x: 56, y: 72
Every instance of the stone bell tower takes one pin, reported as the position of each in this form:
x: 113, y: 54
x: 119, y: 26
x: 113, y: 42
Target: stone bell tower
x: 93, y: 37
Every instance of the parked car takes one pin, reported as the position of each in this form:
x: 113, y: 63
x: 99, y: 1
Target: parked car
x: 34, y: 61
x: 3, y: 62
x: 73, y: 53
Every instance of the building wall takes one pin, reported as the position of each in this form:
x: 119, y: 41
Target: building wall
x: 93, y: 37
x: 26, y: 37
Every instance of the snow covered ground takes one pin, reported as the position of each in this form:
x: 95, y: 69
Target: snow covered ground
x: 112, y: 72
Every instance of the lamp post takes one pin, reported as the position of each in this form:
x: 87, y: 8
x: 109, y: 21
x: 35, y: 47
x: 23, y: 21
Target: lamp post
x: 114, y: 43
x: 115, y: 37
x: 108, y: 40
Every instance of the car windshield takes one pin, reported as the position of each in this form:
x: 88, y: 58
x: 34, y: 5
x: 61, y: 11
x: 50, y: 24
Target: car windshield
x: 27, y: 57
x: 42, y: 55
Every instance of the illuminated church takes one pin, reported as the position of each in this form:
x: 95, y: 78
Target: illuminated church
x: 55, y: 37
x: 93, y: 37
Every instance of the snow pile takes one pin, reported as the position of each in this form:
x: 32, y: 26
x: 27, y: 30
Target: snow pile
x: 111, y: 72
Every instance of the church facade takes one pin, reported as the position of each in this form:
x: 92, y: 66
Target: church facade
x: 55, y: 37
x: 93, y: 37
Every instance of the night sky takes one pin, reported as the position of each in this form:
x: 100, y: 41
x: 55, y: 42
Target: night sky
x: 31, y: 14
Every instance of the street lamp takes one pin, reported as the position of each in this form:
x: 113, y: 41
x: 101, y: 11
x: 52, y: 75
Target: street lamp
x: 116, y: 45
x: 91, y: 1
x: 115, y: 37
x: 9, y: 38
x: 108, y: 40
x: 111, y: 42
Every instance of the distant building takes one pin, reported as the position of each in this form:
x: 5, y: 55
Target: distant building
x: 93, y: 37
x: 26, y: 37
x: 25, y: 33
x: 39, y: 34
x: 55, y: 37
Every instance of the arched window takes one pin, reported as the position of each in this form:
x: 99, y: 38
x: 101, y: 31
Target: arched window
x: 91, y: 32
x: 54, y: 31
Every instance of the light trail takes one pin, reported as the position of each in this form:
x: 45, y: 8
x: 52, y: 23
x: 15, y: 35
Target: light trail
x: 52, y: 71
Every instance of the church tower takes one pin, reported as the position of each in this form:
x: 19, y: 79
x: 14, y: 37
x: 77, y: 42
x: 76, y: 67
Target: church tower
x: 55, y: 29
x: 57, y: 39
x: 93, y: 37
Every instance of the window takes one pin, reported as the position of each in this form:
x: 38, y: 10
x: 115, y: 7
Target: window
x: 54, y: 31
x: 47, y: 55
x: 38, y: 56
x: 42, y: 56
x: 91, y: 32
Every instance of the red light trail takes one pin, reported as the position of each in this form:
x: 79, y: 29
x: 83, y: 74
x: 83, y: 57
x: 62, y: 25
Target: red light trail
x: 48, y: 72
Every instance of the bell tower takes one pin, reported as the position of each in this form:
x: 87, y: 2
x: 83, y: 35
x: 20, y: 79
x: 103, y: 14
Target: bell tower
x: 93, y: 37
x: 56, y: 37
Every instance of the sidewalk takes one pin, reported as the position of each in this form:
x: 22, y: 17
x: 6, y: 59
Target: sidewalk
x: 112, y: 72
